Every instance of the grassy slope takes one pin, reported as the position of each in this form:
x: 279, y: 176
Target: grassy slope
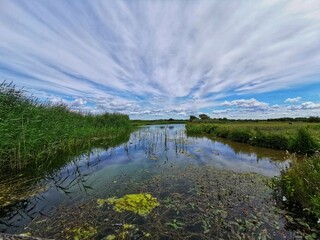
x: 33, y: 132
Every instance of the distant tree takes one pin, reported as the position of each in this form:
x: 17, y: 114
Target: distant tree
x: 204, y: 116
x: 171, y: 119
x: 192, y: 118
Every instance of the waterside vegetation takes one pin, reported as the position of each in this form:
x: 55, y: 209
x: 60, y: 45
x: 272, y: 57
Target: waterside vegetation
x: 35, y: 133
x: 299, y: 187
x: 158, y: 122
x: 299, y: 137
x: 298, y: 184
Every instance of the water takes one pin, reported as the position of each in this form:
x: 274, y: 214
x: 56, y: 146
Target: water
x: 106, y: 172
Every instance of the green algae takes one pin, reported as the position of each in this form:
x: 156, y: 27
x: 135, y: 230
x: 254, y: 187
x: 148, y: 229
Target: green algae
x: 142, y: 203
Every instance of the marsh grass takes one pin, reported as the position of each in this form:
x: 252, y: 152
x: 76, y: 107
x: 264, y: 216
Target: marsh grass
x: 33, y: 132
x: 302, y: 138
x: 299, y: 184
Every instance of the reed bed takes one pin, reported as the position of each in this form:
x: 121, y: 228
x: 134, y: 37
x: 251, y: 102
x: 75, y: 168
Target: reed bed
x: 33, y: 132
x: 298, y: 137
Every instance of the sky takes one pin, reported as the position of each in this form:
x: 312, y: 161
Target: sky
x: 166, y: 59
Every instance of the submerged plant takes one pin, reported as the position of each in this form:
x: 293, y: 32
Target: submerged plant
x: 86, y: 232
x: 142, y: 203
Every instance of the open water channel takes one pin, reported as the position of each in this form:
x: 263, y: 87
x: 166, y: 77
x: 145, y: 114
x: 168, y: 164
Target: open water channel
x: 204, y: 187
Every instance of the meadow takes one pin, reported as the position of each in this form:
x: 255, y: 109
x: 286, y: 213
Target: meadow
x: 35, y: 133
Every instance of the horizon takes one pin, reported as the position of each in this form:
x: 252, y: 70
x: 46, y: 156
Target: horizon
x: 166, y: 59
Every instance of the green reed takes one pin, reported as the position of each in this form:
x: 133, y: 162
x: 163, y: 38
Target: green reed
x: 302, y: 138
x: 33, y: 132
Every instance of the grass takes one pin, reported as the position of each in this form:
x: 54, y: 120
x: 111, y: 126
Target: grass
x: 34, y: 133
x: 299, y: 137
x: 299, y: 184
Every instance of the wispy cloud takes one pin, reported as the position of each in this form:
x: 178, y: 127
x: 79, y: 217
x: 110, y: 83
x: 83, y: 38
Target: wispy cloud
x: 139, y: 57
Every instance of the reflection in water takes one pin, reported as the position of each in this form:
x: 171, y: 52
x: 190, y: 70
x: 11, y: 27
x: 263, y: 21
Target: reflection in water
x: 98, y: 171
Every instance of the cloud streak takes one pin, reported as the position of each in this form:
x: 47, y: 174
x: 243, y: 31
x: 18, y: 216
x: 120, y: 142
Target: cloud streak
x: 139, y: 56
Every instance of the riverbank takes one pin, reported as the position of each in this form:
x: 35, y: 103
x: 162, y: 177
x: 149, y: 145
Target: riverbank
x: 157, y: 122
x: 298, y: 183
x: 296, y: 137
x: 35, y: 133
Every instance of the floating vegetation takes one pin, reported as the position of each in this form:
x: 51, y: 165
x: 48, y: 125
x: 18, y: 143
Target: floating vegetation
x: 142, y: 203
x: 191, y: 202
x: 128, y: 231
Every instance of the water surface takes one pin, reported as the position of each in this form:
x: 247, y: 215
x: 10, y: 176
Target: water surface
x: 103, y: 172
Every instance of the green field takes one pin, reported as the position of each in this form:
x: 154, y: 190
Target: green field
x: 34, y: 133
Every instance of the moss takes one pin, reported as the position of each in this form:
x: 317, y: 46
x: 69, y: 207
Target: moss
x: 142, y: 203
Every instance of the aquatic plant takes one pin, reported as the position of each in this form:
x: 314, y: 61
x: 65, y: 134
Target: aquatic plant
x: 196, y: 202
x: 82, y: 233
x: 299, y: 184
x: 142, y: 203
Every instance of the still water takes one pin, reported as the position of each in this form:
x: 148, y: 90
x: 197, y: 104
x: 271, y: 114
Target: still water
x: 90, y: 175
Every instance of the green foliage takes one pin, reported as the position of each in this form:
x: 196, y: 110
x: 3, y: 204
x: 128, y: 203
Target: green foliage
x: 304, y: 143
x: 192, y: 118
x: 276, y: 135
x: 270, y: 140
x: 204, y: 116
x: 300, y: 184
x: 240, y: 135
x: 34, y: 133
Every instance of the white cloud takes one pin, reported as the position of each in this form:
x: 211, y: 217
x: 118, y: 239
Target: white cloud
x: 310, y: 105
x: 137, y: 52
x: 293, y: 100
x: 247, y: 103
x: 78, y: 102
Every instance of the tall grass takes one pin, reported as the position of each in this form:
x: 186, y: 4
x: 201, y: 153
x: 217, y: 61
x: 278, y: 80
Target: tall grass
x: 300, y: 185
x: 33, y: 132
x: 301, y: 138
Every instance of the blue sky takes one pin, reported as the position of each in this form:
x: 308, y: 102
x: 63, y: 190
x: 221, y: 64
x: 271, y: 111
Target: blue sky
x: 161, y: 59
